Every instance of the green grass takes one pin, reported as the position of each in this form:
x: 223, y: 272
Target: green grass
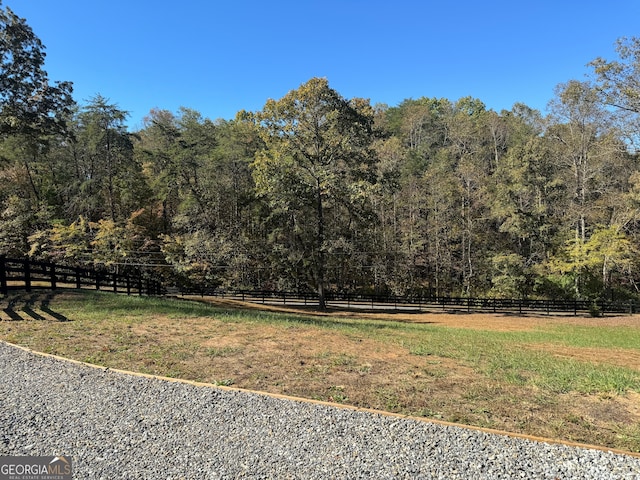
x: 511, y: 357
x: 504, y: 356
x: 90, y: 305
x: 474, y: 376
x: 125, y: 309
x: 522, y: 367
x: 577, y: 336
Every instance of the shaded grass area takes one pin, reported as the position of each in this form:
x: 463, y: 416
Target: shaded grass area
x: 571, y: 382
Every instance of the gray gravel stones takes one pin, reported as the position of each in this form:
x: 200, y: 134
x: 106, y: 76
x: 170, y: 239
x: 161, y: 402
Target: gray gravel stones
x: 116, y: 425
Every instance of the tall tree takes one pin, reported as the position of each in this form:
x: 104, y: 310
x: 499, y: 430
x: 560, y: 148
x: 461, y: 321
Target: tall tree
x: 619, y: 83
x: 526, y: 199
x: 586, y: 149
x: 316, y: 171
x: 472, y: 159
x: 156, y: 149
x: 620, y: 79
x: 592, y: 162
x: 29, y: 104
x: 204, y: 192
x: 32, y: 113
x: 108, y: 181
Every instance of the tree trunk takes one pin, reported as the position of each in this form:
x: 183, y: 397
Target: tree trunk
x: 322, y: 302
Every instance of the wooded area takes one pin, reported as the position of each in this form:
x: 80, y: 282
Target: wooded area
x: 317, y: 192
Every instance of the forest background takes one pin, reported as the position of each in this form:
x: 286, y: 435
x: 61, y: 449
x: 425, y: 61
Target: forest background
x: 320, y: 192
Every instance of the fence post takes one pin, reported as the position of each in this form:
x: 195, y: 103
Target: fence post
x: 53, y: 276
x: 97, y: 279
x: 3, y: 276
x: 128, y: 285
x: 27, y: 275
x: 115, y: 282
x: 78, y: 283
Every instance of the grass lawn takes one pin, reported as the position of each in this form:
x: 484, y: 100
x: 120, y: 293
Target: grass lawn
x: 568, y: 378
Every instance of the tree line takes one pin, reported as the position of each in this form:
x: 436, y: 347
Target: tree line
x: 320, y: 192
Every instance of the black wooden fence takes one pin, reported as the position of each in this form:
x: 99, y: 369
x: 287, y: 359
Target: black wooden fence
x: 26, y: 274
x: 429, y: 303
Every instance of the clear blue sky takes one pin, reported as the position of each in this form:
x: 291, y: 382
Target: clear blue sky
x: 221, y: 57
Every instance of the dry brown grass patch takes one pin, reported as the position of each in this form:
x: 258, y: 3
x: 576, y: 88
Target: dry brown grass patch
x: 305, y: 360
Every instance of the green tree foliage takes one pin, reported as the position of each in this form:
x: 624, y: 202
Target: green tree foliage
x: 525, y: 201
x: 316, y: 191
x: 29, y: 104
x: 103, y: 243
x: 67, y: 244
x: 316, y: 172
x: 619, y: 80
x: 593, y: 165
x: 204, y: 194
x: 108, y: 180
x: 33, y: 114
x: 618, y: 83
x: 593, y: 263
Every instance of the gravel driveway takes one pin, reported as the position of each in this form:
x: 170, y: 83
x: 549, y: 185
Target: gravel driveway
x: 116, y: 425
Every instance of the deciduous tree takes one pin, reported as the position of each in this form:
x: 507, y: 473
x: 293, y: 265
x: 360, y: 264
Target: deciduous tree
x: 316, y: 171
x: 29, y: 103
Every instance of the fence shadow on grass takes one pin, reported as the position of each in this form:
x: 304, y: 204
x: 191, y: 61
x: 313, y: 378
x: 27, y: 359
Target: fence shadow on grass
x: 44, y: 306
x: 20, y: 307
x: 12, y: 314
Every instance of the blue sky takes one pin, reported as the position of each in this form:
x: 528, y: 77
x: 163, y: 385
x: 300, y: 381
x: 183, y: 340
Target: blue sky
x: 221, y: 57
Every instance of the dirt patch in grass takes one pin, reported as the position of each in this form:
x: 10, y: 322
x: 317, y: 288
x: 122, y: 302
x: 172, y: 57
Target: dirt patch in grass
x: 349, y: 366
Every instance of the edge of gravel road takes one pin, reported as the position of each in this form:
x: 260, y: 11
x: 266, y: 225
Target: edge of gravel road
x: 551, y: 441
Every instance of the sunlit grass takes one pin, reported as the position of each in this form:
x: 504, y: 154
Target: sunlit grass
x: 499, y: 355
x: 513, y: 357
x: 474, y: 376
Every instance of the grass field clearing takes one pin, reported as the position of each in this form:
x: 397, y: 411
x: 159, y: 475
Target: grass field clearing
x: 568, y: 378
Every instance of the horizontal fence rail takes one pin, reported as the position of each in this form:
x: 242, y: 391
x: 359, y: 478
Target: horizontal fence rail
x: 426, y: 303
x: 26, y: 274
